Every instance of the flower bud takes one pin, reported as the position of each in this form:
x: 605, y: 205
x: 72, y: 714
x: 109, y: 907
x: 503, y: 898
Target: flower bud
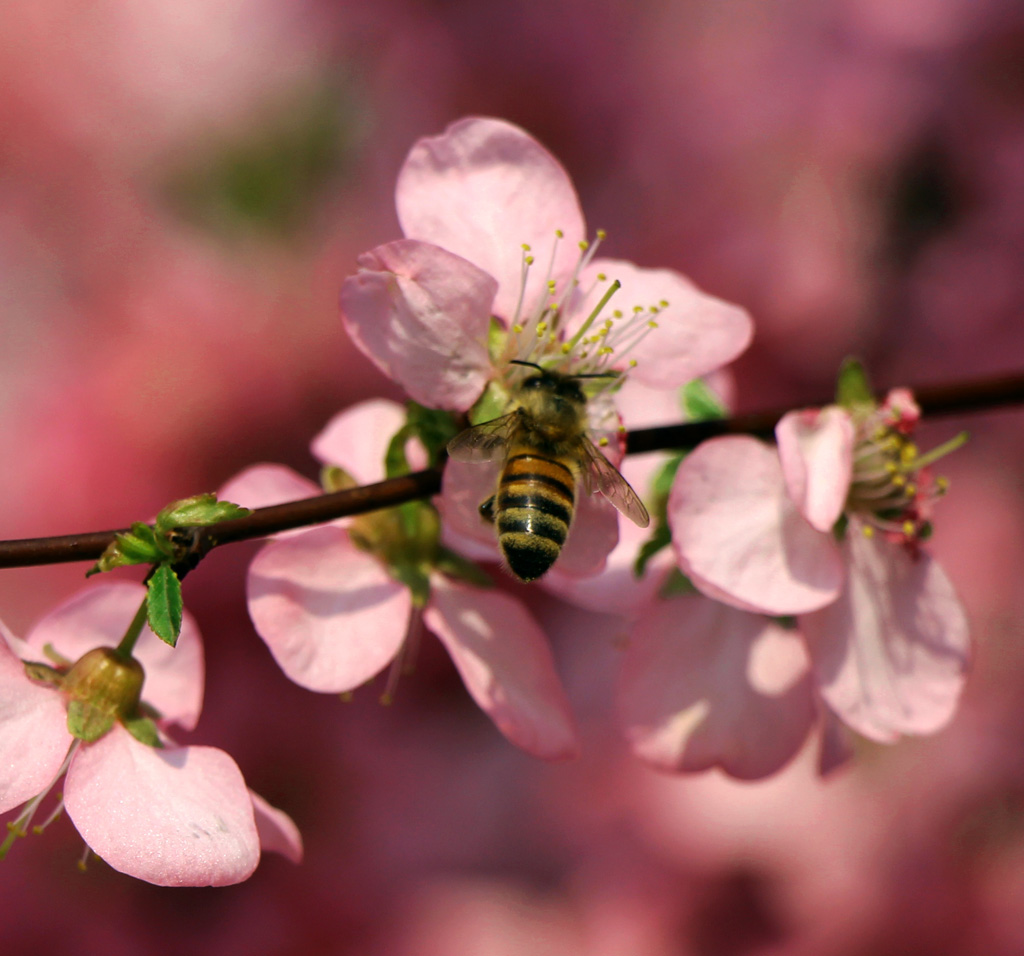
x: 102, y: 688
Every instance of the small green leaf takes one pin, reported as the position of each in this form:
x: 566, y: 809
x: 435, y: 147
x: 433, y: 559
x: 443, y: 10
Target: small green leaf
x: 140, y: 545
x: 661, y: 483
x: 676, y: 583
x: 197, y: 511
x: 333, y: 478
x: 661, y: 538
x: 143, y: 730
x: 164, y: 604
x: 88, y: 722
x: 434, y: 429
x: 462, y: 569
x: 492, y: 404
x: 416, y: 580
x: 853, y: 389
x: 700, y: 404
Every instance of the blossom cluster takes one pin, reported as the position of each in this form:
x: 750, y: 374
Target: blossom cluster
x: 783, y: 590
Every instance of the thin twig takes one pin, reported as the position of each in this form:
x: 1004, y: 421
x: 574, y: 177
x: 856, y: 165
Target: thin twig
x: 955, y: 399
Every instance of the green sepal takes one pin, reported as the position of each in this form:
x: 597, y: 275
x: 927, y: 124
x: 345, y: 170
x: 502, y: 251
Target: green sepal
x: 700, y: 404
x: 675, y: 584
x: 497, y: 340
x: 143, y: 730
x: 659, y: 539
x: 88, y: 722
x: 43, y: 673
x: 140, y: 545
x: 853, y: 388
x: 164, y: 604
x: 415, y: 579
x: 462, y: 569
x: 334, y: 478
x: 493, y: 403
x: 787, y: 622
x: 197, y: 511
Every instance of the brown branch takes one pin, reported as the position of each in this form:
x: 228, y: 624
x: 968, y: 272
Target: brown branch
x: 955, y: 399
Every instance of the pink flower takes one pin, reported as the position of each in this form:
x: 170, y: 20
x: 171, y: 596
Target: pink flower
x: 333, y: 607
x: 174, y: 816
x: 885, y: 631
x: 496, y: 267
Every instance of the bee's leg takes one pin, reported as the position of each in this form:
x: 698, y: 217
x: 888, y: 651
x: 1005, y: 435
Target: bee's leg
x: 486, y: 510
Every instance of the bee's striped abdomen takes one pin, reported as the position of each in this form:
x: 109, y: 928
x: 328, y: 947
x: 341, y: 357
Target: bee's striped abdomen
x: 534, y: 508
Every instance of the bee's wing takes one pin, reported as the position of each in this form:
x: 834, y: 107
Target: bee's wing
x: 602, y: 474
x: 484, y: 442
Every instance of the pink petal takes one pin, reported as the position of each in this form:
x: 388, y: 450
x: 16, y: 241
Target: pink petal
x: 615, y: 590
x: 892, y: 653
x: 99, y: 615
x: 357, y: 439
x: 261, y: 486
x: 816, y: 451
x: 741, y: 539
x: 421, y: 314
x: 464, y: 486
x: 277, y: 831
x: 506, y: 665
x: 696, y: 334
x: 330, y: 613
x: 705, y: 686
x: 481, y: 190
x: 34, y: 737
x: 176, y: 816
x: 592, y: 536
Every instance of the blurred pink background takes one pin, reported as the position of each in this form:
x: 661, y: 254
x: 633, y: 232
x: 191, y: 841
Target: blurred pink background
x: 184, y: 185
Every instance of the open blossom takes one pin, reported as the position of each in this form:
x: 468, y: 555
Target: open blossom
x: 175, y: 816
x: 497, y: 267
x: 331, y: 605
x: 830, y: 528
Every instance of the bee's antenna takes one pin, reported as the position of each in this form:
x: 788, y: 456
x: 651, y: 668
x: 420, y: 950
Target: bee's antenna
x: 527, y: 364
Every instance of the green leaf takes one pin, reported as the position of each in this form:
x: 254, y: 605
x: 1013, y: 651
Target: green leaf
x: 197, y: 511
x: 140, y: 545
x: 164, y: 604
x: 676, y: 583
x: 434, y: 428
x: 143, y: 730
x: 88, y: 722
x: 492, y: 404
x: 853, y: 389
x: 462, y: 569
x: 661, y: 538
x: 415, y: 579
x: 333, y: 478
x: 700, y: 404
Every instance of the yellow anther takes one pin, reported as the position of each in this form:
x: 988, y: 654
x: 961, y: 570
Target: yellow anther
x: 621, y: 429
x: 891, y: 467
x: 632, y: 363
x: 601, y: 234
x: 637, y: 309
x: 584, y: 245
x: 605, y: 350
x: 868, y: 531
x: 526, y: 247
x: 601, y: 277
x: 551, y: 285
x: 899, y: 481
x: 566, y: 348
x: 559, y: 234
x: 909, y: 528
x: 663, y: 303
x: 529, y: 260
x: 517, y: 328
x: 942, y: 484
x: 908, y: 453
x: 603, y: 442
x: 911, y: 490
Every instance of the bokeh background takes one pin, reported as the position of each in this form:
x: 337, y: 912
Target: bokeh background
x: 183, y: 187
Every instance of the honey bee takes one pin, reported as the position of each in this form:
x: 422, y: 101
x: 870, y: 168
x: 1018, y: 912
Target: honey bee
x: 547, y: 456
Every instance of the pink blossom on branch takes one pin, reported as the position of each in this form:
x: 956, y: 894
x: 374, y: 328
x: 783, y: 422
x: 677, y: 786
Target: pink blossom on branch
x: 174, y: 816
x: 886, y: 634
x: 334, y: 614
x: 496, y: 267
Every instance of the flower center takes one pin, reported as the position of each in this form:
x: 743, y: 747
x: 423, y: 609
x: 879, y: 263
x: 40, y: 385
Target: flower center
x: 552, y: 333
x: 893, y: 490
